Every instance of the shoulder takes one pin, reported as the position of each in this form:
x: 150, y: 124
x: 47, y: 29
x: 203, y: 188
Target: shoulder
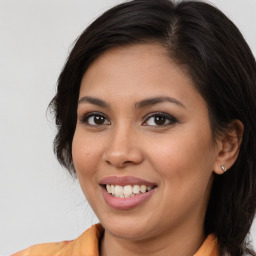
x: 210, y: 247
x: 85, y: 244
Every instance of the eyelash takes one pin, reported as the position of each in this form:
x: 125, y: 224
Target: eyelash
x: 86, y: 117
x: 170, y: 119
x: 166, y: 117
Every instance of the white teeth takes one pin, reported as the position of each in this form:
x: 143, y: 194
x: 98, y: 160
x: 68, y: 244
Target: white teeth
x: 143, y: 188
x: 149, y: 188
x: 108, y: 188
x: 127, y: 191
x: 113, y: 189
x: 136, y: 189
x: 119, y: 190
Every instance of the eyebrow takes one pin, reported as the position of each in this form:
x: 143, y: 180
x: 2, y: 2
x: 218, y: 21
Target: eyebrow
x: 138, y: 105
x: 94, y: 101
x: 157, y: 100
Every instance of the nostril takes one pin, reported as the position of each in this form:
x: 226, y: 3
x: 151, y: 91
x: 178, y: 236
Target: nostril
x: 108, y: 162
x: 122, y: 157
x: 120, y: 164
x: 128, y: 163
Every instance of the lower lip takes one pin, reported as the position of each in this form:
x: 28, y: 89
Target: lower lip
x: 125, y: 203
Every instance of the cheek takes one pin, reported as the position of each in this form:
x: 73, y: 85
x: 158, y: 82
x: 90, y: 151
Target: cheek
x: 185, y: 159
x: 85, y: 155
x: 185, y: 167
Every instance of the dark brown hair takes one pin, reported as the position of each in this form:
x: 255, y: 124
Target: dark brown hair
x: 201, y: 38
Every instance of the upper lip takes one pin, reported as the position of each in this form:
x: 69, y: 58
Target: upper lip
x: 125, y: 180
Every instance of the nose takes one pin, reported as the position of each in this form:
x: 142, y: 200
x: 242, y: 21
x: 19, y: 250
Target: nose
x: 123, y: 148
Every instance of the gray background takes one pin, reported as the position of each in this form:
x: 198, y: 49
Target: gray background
x: 39, y: 202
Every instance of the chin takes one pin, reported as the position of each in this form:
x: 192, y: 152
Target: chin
x: 129, y: 229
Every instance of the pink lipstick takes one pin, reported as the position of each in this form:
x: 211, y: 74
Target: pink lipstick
x: 139, y: 191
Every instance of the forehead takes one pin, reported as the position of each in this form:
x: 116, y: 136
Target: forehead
x: 136, y: 67
x: 130, y: 58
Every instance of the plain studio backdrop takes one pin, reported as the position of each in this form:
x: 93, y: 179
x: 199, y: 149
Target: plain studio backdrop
x: 39, y: 201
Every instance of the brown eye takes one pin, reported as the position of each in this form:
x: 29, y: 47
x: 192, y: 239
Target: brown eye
x: 159, y: 119
x: 99, y: 120
x: 95, y: 120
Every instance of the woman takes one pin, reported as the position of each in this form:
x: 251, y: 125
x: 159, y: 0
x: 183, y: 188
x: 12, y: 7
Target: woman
x: 155, y: 114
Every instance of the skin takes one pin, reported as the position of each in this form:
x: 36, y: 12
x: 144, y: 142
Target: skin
x: 179, y: 156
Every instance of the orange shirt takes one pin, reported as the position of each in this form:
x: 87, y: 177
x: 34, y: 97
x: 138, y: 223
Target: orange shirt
x: 88, y: 245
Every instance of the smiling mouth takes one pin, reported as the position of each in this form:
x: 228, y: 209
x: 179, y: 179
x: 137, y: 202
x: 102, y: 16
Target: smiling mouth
x: 127, y: 191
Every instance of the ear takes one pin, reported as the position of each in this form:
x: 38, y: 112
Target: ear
x: 228, y: 146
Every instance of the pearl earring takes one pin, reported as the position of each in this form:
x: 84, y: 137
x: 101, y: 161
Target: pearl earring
x: 223, y: 168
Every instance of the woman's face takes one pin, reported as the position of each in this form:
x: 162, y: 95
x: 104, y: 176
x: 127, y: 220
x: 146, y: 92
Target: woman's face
x: 143, y: 130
